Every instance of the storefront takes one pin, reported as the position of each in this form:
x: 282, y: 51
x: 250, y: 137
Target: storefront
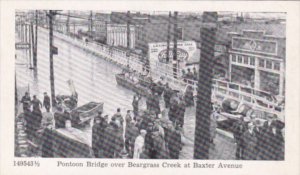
x: 258, y: 60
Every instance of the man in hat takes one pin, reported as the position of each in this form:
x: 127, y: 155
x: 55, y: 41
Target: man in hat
x: 249, y: 143
x: 118, y: 116
x: 96, y: 134
x: 46, y: 102
x: 238, y: 128
x: 259, y: 135
x: 26, y: 100
x: 135, y: 104
x: 266, y: 135
x: 59, y: 118
x: 167, y: 95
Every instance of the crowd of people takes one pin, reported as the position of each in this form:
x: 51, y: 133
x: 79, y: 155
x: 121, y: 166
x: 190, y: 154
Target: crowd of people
x: 32, y: 112
x: 257, y: 140
x: 148, y: 135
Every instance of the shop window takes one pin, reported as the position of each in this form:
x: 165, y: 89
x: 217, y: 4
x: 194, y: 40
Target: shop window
x: 252, y: 61
x: 240, y: 59
x: 233, y: 58
x: 261, y: 63
x: 246, y: 60
x: 269, y: 64
x: 277, y: 66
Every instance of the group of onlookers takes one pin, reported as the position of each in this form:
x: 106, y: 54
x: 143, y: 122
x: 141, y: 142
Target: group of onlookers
x: 257, y: 140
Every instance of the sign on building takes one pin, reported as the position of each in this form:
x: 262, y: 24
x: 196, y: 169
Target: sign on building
x: 21, y: 46
x: 186, y: 52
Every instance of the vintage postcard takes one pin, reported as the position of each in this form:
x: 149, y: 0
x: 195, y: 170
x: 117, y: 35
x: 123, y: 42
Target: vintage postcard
x: 149, y: 87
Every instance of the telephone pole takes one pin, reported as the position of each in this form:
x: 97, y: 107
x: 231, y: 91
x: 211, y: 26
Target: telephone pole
x: 50, y: 15
x: 128, y: 37
x: 168, y: 38
x: 34, y: 42
x: 68, y: 23
x: 175, y: 63
x: 204, y: 106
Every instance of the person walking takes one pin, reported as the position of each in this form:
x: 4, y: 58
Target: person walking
x: 36, y: 104
x: 26, y: 100
x: 46, y: 102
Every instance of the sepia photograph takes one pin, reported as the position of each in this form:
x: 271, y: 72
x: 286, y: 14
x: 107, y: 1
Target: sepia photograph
x: 150, y: 84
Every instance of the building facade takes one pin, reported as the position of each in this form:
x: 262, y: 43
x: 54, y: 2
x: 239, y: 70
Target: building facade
x: 117, y: 35
x: 257, y: 59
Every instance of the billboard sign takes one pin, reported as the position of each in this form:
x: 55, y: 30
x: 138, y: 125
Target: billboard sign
x: 157, y: 52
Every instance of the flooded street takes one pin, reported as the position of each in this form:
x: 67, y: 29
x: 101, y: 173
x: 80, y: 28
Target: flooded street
x: 94, y: 80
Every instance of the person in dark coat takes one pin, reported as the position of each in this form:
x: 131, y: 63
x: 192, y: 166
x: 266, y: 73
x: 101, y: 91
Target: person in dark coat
x: 96, y: 134
x: 130, y: 135
x: 259, y: 135
x: 118, y: 116
x: 167, y: 95
x: 29, y: 118
x: 46, y: 102
x: 189, y: 97
x: 173, y: 110
x: 36, y: 104
x: 180, y: 113
x: 274, y: 143
x: 265, y: 153
x: 59, y: 117
x: 156, y: 106
x: 238, y: 129
x: 109, y: 141
x: 159, y: 148
x: 249, y: 143
x: 135, y: 105
x: 26, y: 100
x: 174, y: 142
x: 47, y: 145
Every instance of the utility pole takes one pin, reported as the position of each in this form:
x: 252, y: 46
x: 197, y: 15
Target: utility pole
x: 50, y: 15
x: 128, y: 37
x: 168, y: 38
x: 91, y: 24
x: 128, y: 30
x: 175, y: 63
x: 68, y: 23
x: 31, y: 44
x: 35, y: 41
x: 204, y: 106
